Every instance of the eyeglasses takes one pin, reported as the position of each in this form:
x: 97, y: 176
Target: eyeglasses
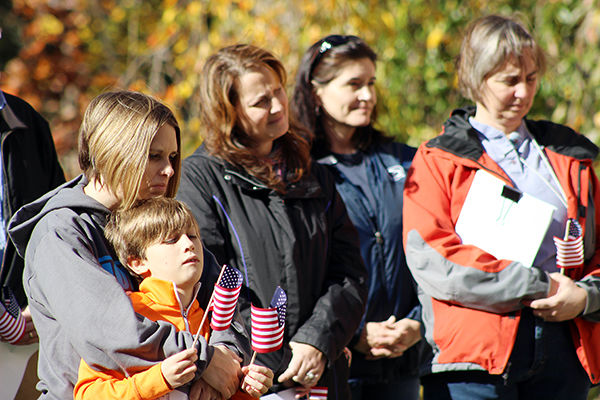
x: 327, y: 43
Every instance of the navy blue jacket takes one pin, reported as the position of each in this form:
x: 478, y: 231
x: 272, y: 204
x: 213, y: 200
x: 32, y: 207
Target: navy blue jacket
x: 391, y: 287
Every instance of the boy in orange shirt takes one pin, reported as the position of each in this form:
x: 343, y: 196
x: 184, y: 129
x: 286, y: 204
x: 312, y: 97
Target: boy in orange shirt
x: 159, y: 241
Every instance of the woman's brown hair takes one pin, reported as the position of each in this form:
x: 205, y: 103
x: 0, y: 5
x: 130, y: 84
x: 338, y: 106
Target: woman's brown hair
x: 321, y: 64
x: 223, y: 136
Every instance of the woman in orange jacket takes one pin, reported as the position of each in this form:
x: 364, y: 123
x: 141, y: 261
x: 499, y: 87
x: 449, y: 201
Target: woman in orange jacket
x: 499, y: 328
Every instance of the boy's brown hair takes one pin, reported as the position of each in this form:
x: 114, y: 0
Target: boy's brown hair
x: 150, y: 221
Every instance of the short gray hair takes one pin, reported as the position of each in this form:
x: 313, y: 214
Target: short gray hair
x: 487, y: 45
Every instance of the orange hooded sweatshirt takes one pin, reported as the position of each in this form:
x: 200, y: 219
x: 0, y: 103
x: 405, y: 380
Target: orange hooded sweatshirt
x: 156, y: 300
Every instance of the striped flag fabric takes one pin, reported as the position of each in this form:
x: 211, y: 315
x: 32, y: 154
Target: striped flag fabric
x: 226, y: 294
x: 268, y: 324
x: 569, y: 251
x: 12, y: 323
x: 318, y: 393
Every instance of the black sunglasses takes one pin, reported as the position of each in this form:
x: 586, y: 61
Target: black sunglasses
x: 327, y: 43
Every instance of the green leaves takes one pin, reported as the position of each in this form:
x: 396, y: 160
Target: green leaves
x: 72, y: 52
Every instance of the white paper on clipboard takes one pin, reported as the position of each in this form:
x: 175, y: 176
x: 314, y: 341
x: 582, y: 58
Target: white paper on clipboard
x: 492, y: 220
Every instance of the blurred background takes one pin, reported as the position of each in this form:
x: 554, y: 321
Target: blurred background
x: 58, y: 54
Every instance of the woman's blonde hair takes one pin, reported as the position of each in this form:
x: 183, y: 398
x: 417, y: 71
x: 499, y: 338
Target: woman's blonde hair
x: 488, y: 44
x: 224, y: 137
x: 131, y: 231
x: 114, y: 141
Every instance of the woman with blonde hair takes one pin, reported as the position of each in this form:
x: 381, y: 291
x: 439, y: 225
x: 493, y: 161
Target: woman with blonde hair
x: 129, y: 149
x: 264, y: 208
x: 501, y: 325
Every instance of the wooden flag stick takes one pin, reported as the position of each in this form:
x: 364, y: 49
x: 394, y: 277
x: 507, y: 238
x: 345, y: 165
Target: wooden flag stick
x: 562, y: 270
x: 253, y: 358
x: 207, y: 308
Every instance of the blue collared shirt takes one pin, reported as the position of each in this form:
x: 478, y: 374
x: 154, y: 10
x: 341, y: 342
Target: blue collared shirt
x: 532, y: 177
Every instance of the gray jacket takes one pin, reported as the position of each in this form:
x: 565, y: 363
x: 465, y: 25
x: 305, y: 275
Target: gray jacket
x: 76, y: 291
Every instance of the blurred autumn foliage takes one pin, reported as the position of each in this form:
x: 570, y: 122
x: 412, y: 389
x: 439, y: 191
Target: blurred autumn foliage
x: 67, y: 51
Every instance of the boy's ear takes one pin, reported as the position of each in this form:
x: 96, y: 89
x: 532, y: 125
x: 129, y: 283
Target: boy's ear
x: 138, y: 266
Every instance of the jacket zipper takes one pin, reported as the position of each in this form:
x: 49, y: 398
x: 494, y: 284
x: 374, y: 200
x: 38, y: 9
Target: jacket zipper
x: 185, y: 312
x: 255, y: 185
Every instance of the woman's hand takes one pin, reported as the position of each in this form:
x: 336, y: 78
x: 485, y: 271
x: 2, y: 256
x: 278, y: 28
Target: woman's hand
x: 410, y: 334
x: 379, y: 336
x: 201, y: 390
x: 565, y: 301
x: 306, y: 366
x: 179, y: 368
x: 223, y: 372
x: 389, y: 338
x: 258, y: 380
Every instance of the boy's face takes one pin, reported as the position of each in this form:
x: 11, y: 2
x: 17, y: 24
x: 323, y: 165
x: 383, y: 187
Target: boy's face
x: 178, y: 259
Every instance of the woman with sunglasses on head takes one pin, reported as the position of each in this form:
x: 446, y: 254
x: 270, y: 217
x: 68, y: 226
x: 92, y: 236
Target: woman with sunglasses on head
x: 335, y: 98
x: 265, y: 209
x: 505, y: 327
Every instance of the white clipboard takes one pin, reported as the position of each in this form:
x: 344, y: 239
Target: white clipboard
x: 503, y: 221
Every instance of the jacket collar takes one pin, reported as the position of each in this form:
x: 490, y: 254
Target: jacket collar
x: 563, y: 140
x: 165, y: 292
x: 460, y: 138
x: 307, y: 187
x: 8, y: 115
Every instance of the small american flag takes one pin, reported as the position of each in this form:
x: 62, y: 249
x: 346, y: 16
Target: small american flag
x: 268, y: 323
x: 318, y: 393
x: 227, y: 291
x: 569, y: 251
x: 12, y: 323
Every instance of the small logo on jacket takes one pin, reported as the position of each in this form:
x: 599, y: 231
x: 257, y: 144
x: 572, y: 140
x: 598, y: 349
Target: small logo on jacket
x: 397, y: 172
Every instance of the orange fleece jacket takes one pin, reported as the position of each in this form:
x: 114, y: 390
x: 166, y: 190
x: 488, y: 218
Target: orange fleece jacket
x: 156, y: 300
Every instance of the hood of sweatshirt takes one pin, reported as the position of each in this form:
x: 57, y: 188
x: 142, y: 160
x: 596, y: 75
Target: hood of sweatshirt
x: 69, y: 195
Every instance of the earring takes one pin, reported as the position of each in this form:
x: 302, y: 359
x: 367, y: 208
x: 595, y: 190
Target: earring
x: 317, y: 111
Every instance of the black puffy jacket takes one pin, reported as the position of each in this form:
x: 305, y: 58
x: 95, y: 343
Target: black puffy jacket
x: 302, y: 241
x: 30, y: 168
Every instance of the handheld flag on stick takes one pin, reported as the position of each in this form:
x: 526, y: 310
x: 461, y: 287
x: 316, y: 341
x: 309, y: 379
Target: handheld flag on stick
x: 226, y: 294
x: 12, y: 323
x: 318, y: 393
x: 268, y: 324
x: 223, y: 323
x: 312, y: 393
x: 569, y: 251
